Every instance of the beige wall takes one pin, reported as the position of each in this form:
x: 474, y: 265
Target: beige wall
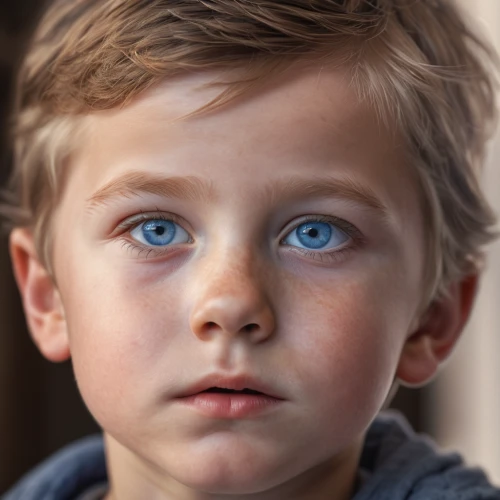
x: 467, y: 393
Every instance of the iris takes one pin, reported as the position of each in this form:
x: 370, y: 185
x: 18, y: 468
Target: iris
x: 158, y: 232
x: 314, y: 234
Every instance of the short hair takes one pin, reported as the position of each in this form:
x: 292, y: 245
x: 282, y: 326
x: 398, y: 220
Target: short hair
x: 418, y: 63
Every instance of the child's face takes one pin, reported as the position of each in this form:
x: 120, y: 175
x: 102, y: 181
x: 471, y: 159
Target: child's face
x: 152, y: 310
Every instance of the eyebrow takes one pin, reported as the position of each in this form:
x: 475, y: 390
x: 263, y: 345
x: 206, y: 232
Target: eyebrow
x: 189, y: 188
x: 195, y: 189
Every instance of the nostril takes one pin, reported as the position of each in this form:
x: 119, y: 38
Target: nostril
x: 251, y: 327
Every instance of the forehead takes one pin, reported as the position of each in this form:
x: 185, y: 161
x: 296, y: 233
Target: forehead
x: 307, y: 113
x: 307, y: 120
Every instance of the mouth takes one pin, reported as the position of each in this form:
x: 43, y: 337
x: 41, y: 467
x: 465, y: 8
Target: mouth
x: 223, y: 403
x: 222, y: 390
x: 235, y: 398
x: 242, y: 385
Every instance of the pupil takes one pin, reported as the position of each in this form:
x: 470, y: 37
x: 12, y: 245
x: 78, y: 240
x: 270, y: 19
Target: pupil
x: 313, y: 233
x: 159, y: 230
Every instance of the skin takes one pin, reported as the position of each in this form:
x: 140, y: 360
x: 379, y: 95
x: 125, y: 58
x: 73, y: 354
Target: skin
x: 329, y: 336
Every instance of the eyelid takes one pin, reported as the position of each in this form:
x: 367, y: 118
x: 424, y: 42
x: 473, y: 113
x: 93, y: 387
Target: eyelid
x: 345, y: 226
x: 131, y: 222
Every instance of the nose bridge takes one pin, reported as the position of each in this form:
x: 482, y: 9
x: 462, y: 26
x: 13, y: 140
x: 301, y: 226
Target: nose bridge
x: 231, y: 296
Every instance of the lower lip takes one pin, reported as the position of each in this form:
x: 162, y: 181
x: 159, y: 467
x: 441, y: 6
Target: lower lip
x: 225, y: 405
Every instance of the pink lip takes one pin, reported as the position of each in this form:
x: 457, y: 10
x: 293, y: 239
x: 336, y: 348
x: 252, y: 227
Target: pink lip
x: 229, y: 405
x: 235, y: 405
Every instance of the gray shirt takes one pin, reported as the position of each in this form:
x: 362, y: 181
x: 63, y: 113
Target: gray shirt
x: 95, y: 492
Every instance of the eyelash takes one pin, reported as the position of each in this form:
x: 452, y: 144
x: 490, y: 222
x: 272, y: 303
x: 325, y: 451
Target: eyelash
x: 132, y: 222
x: 333, y: 256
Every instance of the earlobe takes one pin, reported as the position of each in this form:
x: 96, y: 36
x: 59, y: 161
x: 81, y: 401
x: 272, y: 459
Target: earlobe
x: 439, y: 330
x: 42, y: 303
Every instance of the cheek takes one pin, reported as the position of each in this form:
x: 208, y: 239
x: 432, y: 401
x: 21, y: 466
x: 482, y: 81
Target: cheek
x: 118, y: 337
x: 347, y: 348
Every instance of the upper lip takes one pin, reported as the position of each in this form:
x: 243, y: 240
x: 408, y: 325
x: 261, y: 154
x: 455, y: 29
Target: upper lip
x: 234, y: 382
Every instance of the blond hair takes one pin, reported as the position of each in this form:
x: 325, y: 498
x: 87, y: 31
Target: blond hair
x: 417, y: 62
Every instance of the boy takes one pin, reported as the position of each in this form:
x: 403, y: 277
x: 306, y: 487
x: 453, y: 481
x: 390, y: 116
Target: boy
x: 247, y: 222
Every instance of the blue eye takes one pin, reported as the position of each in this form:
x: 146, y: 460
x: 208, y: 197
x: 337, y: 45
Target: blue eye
x: 316, y: 236
x: 159, y: 232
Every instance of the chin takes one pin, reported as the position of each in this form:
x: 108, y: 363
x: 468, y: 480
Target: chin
x: 225, y: 477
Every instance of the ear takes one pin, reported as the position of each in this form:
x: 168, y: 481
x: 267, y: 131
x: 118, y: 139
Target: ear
x: 438, y: 332
x: 42, y: 303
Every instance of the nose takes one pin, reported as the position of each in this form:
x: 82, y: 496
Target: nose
x: 231, y: 301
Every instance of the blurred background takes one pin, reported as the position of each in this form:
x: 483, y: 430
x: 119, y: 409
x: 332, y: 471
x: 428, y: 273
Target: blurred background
x: 40, y: 407
x: 464, y: 402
